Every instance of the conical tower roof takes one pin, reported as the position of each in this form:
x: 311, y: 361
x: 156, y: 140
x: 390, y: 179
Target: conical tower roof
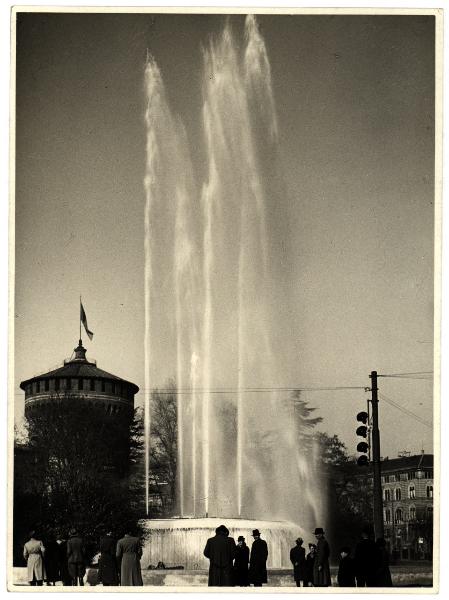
x: 79, y: 366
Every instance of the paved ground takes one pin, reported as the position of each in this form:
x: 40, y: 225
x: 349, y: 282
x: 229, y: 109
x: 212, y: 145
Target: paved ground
x: 403, y: 575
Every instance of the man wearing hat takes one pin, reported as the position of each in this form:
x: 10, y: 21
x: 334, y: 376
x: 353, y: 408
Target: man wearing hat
x: 220, y: 551
x: 76, y: 558
x: 258, y: 560
x: 298, y: 559
x: 241, y: 561
x: 321, y: 571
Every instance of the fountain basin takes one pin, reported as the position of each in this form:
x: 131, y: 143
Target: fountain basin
x: 181, y: 541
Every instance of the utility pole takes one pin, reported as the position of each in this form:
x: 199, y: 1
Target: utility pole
x: 377, y: 484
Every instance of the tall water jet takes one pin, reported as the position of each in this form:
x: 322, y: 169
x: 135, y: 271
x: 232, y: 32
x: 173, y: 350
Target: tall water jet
x: 208, y: 291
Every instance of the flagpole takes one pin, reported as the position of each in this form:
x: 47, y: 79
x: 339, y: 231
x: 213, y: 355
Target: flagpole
x: 81, y: 341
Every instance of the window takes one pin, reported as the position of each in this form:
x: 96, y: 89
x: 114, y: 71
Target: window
x: 397, y: 477
x: 387, y: 495
x: 388, y: 516
x: 412, y: 513
x: 397, y: 494
x: 398, y: 516
x: 430, y: 510
x: 57, y: 385
x: 38, y: 387
x: 103, y: 385
x: 80, y: 383
x: 47, y: 385
x: 428, y: 474
x: 429, y: 491
x: 411, y: 491
x: 92, y: 385
x: 387, y: 479
x: 411, y: 475
x: 69, y: 384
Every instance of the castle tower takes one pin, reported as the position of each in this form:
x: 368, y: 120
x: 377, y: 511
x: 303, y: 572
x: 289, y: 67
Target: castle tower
x: 80, y: 378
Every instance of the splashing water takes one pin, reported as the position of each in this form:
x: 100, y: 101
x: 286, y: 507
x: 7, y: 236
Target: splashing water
x: 208, y: 277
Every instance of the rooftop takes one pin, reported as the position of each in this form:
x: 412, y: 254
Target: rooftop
x: 78, y: 366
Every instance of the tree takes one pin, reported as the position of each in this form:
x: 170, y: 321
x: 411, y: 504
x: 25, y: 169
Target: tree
x: 164, y: 446
x: 74, y: 469
x: 305, y: 422
x: 350, y: 491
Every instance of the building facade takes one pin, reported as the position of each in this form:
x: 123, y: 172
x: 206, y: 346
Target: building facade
x: 407, y: 490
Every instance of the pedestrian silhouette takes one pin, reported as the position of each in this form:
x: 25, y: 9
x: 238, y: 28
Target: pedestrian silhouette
x: 366, y: 559
x: 107, y: 564
x: 258, y: 560
x: 346, y: 568
x: 383, y: 575
x: 298, y: 560
x: 33, y: 553
x: 76, y: 558
x: 220, y: 551
x: 310, y: 561
x: 241, y: 561
x: 128, y: 552
x: 321, y: 570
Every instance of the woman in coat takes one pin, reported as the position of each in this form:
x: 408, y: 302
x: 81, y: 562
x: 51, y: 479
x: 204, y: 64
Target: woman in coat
x: 129, y: 552
x: 310, y: 561
x: 321, y: 570
x: 107, y: 565
x: 33, y: 553
x: 241, y: 561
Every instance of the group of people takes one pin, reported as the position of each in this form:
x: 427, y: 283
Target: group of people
x: 232, y: 564
x: 65, y: 560
x: 313, y: 569
x: 369, y: 567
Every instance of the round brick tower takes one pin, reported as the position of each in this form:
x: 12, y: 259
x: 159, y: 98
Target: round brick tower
x: 80, y: 378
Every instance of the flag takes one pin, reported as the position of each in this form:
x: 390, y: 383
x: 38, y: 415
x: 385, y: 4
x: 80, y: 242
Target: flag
x: 84, y: 321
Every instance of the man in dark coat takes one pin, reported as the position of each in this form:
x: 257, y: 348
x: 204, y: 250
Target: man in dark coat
x: 321, y: 570
x: 51, y: 561
x: 241, y: 561
x: 346, y: 569
x: 62, y: 560
x: 298, y: 559
x: 258, y: 560
x: 382, y: 575
x: 366, y: 560
x: 220, y: 551
x: 107, y: 564
x: 76, y: 558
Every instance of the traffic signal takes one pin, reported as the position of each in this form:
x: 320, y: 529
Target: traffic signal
x: 362, y: 431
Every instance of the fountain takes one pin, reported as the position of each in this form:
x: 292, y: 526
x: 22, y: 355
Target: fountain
x: 209, y: 304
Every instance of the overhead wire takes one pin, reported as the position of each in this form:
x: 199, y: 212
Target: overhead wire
x: 414, y: 375
x: 404, y: 410
x: 252, y: 390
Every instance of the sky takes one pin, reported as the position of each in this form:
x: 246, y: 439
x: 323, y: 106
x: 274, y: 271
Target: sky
x: 352, y: 231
